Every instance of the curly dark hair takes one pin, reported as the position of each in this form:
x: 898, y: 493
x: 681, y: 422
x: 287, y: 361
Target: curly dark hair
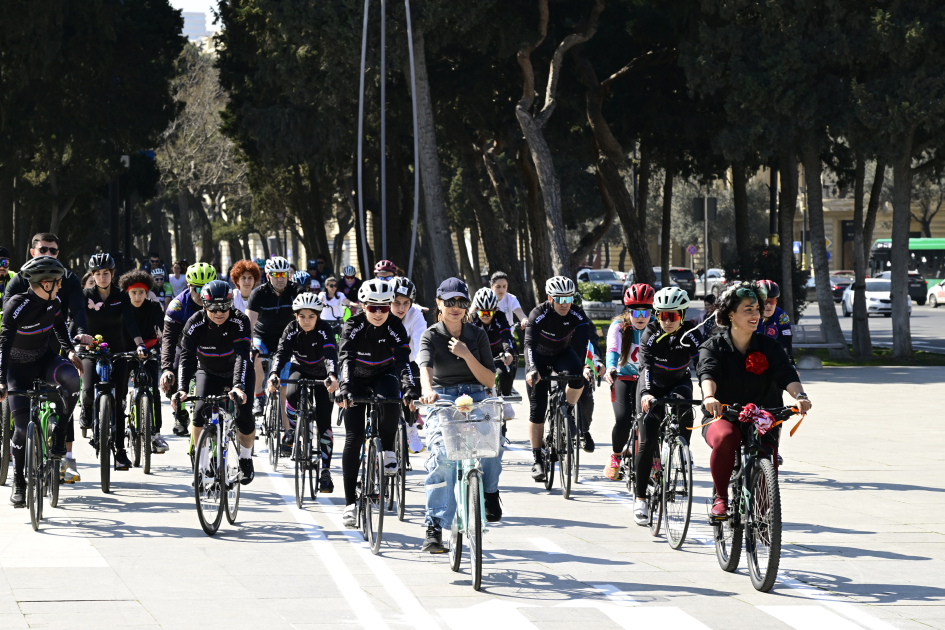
x: 730, y: 299
x: 135, y: 276
x: 241, y: 267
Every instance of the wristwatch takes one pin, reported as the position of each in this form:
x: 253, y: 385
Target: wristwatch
x: 801, y: 396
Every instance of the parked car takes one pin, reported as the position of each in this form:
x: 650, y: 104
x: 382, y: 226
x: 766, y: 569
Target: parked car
x: 716, y: 281
x: 838, y: 284
x: 631, y: 280
x: 936, y: 294
x: 603, y: 276
x: 918, y: 287
x: 878, y: 298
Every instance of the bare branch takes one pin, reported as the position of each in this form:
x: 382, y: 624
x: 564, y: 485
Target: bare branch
x: 646, y: 60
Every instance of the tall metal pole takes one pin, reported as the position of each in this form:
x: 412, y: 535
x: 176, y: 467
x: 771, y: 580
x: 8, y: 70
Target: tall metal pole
x: 416, y: 142
x: 705, y: 227
x: 383, y: 129
x: 113, y: 242
x: 773, y: 214
x: 365, y: 270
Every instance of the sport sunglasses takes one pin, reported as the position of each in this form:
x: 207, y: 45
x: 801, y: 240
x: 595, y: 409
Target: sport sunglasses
x: 218, y: 308
x: 563, y: 299
x: 52, y: 251
x: 669, y: 316
x: 486, y: 313
x: 4, y: 262
x: 377, y: 308
x: 456, y: 303
x: 643, y: 312
x: 279, y: 274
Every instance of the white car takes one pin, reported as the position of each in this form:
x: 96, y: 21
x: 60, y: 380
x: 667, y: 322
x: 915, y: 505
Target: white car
x: 936, y: 294
x: 878, y: 299
x: 716, y: 281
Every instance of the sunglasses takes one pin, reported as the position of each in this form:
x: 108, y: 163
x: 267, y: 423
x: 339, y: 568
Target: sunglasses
x: 55, y: 283
x: 456, y: 303
x: 154, y: 261
x: 279, y: 274
x: 48, y: 250
x: 4, y: 262
x: 331, y: 286
x: 350, y: 277
x: 669, y: 316
x: 643, y: 312
x: 377, y: 308
x: 565, y: 299
x: 486, y: 313
x: 772, y: 301
x: 218, y: 308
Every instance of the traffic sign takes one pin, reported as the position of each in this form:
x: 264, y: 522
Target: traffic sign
x: 691, y: 250
x: 797, y: 247
x: 828, y: 242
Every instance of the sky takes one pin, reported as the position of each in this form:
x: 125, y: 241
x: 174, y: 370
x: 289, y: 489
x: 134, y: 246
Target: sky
x: 203, y: 6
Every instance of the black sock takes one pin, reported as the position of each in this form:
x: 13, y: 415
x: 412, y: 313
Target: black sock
x: 536, y: 453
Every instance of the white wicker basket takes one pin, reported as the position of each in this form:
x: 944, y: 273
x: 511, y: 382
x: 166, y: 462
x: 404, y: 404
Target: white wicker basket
x: 476, y: 434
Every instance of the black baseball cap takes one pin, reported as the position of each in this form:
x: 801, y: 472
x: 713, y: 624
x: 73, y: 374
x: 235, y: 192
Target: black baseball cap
x: 452, y: 288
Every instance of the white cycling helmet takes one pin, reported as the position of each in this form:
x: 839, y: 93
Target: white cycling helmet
x: 277, y: 263
x: 671, y: 299
x: 309, y: 301
x: 348, y: 271
x: 485, y: 300
x: 376, y: 291
x: 559, y: 286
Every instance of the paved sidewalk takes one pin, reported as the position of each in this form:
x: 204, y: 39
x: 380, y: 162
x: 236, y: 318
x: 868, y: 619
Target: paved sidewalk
x: 863, y: 502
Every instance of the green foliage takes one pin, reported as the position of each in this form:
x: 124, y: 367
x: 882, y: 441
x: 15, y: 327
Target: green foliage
x: 764, y: 263
x: 594, y: 291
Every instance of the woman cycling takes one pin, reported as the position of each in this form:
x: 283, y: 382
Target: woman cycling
x: 667, y: 347
x: 405, y: 292
x: 374, y: 354
x: 110, y: 315
x: 335, y: 303
x: 350, y: 284
x: 309, y: 344
x: 455, y: 359
x: 623, y: 354
x: 739, y: 366
x: 486, y: 315
x: 774, y: 322
x: 245, y: 277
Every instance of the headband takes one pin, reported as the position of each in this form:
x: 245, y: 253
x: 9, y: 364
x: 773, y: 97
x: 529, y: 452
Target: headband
x: 137, y: 285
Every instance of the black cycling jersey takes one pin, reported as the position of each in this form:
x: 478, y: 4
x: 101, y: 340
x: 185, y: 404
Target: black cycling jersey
x: 113, y: 318
x: 181, y: 309
x: 549, y: 334
x: 149, y: 317
x: 367, y: 350
x: 70, y: 294
x: 274, y: 310
x: 349, y: 292
x: 219, y: 350
x: 312, y: 353
x: 665, y: 358
x: 499, y: 332
x: 27, y: 324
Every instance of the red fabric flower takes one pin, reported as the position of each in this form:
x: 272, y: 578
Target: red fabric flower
x: 763, y: 420
x: 756, y: 363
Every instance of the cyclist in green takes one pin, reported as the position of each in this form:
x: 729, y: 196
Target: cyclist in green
x: 5, y: 275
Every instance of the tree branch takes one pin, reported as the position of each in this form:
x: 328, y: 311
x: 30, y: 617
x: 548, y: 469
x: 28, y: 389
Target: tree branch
x: 646, y: 60
x: 525, y: 60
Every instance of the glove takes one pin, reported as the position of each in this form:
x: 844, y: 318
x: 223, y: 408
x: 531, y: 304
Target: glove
x: 412, y: 393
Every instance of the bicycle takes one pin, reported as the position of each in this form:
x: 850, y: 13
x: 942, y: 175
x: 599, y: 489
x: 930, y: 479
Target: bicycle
x: 306, y: 458
x: 372, y: 480
x: 217, y: 472
x: 398, y: 495
x: 675, y: 472
x: 561, y: 440
x: 140, y: 426
x: 470, y: 435
x: 755, y: 506
x: 593, y: 383
x: 42, y: 469
x: 271, y: 425
x: 6, y: 434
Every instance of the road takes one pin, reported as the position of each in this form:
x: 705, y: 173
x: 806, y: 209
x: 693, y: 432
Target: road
x: 864, y: 542
x: 927, y: 324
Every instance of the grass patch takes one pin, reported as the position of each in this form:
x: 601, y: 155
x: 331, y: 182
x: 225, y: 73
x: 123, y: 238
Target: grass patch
x: 881, y: 356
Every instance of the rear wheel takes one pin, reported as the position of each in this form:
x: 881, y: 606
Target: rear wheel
x: 764, y: 526
x: 565, y: 443
x: 400, y: 479
x: 210, y: 498
x: 5, y: 434
x: 232, y: 460
x: 105, y: 411
x: 654, y: 498
x: 34, y: 475
x: 474, y: 510
x: 677, y: 493
x: 374, y: 495
x: 145, y: 428
x: 456, y: 546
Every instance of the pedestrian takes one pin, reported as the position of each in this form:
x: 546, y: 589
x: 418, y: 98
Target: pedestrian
x: 177, y: 279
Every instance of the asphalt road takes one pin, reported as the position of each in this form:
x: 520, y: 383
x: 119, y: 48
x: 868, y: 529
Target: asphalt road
x: 927, y: 325
x: 864, y: 542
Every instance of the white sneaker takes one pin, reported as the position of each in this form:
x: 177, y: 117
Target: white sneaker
x: 509, y: 412
x: 350, y: 516
x: 390, y: 463
x: 640, y: 514
x: 414, y: 443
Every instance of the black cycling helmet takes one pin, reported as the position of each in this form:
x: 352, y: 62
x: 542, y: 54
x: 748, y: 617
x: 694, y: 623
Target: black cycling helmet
x: 405, y: 288
x: 42, y: 268
x: 101, y: 261
x: 217, y: 296
x: 771, y: 287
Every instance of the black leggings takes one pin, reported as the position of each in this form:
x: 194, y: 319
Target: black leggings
x: 506, y: 376
x: 566, y: 361
x: 119, y: 378
x: 624, y: 396
x: 586, y: 407
x: 322, y: 413
x: 54, y: 370
x: 213, y: 385
x: 385, y: 385
x: 649, y: 428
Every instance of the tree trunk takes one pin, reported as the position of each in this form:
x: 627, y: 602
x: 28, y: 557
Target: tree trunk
x: 6, y: 212
x: 244, y: 240
x: 788, y: 203
x: 186, y: 245
x: 310, y: 214
x: 667, y: 224
x: 862, y: 344
x: 157, y: 240
x: 343, y: 217
x: 469, y: 273
x: 899, y: 255
x: 815, y: 203
x: 643, y: 198
x: 436, y: 224
x: 740, y: 198
x: 589, y: 242
x: 623, y: 258
x: 540, y: 266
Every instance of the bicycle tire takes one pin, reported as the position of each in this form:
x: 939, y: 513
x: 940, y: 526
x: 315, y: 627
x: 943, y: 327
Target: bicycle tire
x: 654, y: 499
x: 763, y: 542
x: 362, y: 495
x: 566, y: 442
x: 207, y: 492
x: 231, y: 460
x: 299, y: 454
x: 474, y: 510
x: 677, y: 493
x: 315, y: 469
x: 104, y: 444
x: 34, y: 475
x: 52, y: 481
x: 377, y: 496
x: 727, y: 535
x: 400, y: 486
x: 133, y: 431
x: 576, y: 458
x: 631, y: 455
x: 456, y: 547
x: 547, y: 457
x: 145, y: 426
x: 274, y: 431
x: 6, y: 435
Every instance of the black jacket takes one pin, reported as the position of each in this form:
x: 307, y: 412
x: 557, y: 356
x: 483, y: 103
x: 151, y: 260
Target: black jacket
x: 314, y: 353
x: 274, y: 310
x: 27, y: 324
x: 149, y: 317
x: 113, y: 318
x: 217, y: 349
x: 549, y: 334
x: 499, y: 333
x: 70, y: 294
x: 665, y: 358
x: 367, y: 350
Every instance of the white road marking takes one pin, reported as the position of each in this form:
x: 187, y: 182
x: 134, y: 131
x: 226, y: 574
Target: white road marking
x: 615, y: 595
x: 836, y: 603
x: 67, y: 548
x: 809, y: 618
x: 494, y: 613
x: 546, y: 545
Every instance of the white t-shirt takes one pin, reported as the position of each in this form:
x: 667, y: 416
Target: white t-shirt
x: 508, y: 305
x: 177, y: 284
x: 334, y: 309
x: 415, y: 325
x: 238, y: 302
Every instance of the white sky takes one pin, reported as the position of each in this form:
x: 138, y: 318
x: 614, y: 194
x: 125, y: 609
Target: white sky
x: 203, y: 6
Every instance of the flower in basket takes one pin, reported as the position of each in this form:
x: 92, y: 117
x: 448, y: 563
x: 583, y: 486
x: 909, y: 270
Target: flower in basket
x: 464, y: 403
x: 756, y: 363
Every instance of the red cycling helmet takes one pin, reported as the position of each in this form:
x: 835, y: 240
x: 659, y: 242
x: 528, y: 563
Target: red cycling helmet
x: 639, y: 294
x: 385, y: 265
x: 771, y: 287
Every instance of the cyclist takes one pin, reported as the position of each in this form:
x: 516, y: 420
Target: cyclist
x: 5, y: 275
x: 319, y: 269
x: 215, y: 352
x: 587, y: 396
x: 667, y: 348
x: 738, y: 366
x: 405, y: 293
x: 181, y: 309
x: 162, y: 291
x: 444, y: 376
x: 486, y: 315
x: 112, y: 317
x: 351, y: 284
x: 374, y: 353
x: 335, y: 303
x: 508, y: 303
x: 385, y: 270
x: 549, y: 346
x: 150, y: 321
x: 775, y: 323
x: 308, y: 346
x: 270, y: 310
x: 29, y: 319
x: 304, y: 279
x: 623, y: 355
x: 245, y: 277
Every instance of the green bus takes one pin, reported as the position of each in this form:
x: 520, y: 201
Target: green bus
x: 927, y: 256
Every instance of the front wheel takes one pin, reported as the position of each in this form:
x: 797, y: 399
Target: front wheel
x: 375, y: 494
x: 5, y: 434
x: 146, y: 428
x: 302, y: 455
x: 677, y: 493
x: 764, y: 526
x: 474, y: 510
x: 232, y: 460
x: 728, y: 538
x: 207, y: 489
x: 105, y: 412
x: 34, y: 475
x: 273, y: 429
x: 133, y: 435
x: 566, y: 443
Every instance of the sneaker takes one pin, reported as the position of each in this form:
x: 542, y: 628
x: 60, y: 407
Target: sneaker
x: 349, y: 518
x: 158, y: 445
x: 780, y: 460
x: 390, y: 463
x: 121, y: 460
x: 538, y: 471
x: 509, y: 412
x: 719, y: 507
x: 287, y: 439
x: 612, y: 469
x: 259, y: 403
x: 246, y: 467
x: 325, y: 484
x: 181, y: 420
x: 588, y: 442
x: 493, y: 507
x: 640, y: 513
x: 18, y: 496
x: 414, y: 443
x: 433, y: 541
x: 84, y: 421
x: 70, y: 473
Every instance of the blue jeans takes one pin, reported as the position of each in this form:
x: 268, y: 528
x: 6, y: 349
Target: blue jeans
x: 441, y: 472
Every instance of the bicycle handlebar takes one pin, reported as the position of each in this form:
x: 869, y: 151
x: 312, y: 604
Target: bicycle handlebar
x: 35, y: 393
x: 779, y: 413
x: 447, y: 403
x: 676, y: 401
x: 561, y: 377
x: 210, y: 399
x: 308, y: 381
x: 373, y: 400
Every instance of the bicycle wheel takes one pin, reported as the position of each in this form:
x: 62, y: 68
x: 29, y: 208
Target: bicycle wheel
x: 207, y: 491
x: 5, y: 435
x: 548, y: 457
x: 274, y: 430
x: 34, y: 475
x: 315, y: 469
x: 677, y: 493
x: 576, y: 457
x: 764, y: 526
x: 456, y: 546
x: 728, y: 538
x: 105, y: 411
x: 474, y: 510
x: 654, y: 498
x: 399, y: 490
x: 133, y: 435
x: 630, y: 457
x: 377, y: 485
x: 145, y: 428
x: 565, y: 443
x: 301, y: 454
x: 231, y: 460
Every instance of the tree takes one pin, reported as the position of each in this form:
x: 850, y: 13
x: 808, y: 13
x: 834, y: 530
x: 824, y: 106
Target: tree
x: 929, y: 193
